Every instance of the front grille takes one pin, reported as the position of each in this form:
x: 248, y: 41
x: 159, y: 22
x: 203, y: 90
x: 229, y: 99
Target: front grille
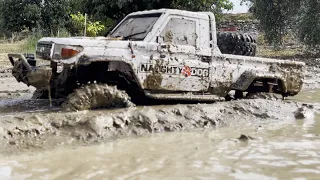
x: 44, y: 51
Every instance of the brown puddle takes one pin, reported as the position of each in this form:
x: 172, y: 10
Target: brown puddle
x: 277, y: 152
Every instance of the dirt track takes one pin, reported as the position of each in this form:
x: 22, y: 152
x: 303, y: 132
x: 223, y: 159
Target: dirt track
x: 29, y: 124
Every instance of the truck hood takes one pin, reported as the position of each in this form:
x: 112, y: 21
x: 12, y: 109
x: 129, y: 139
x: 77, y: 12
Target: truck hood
x: 82, y: 41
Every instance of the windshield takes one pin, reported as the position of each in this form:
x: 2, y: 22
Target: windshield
x: 136, y: 27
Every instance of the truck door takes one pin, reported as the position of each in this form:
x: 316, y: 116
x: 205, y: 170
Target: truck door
x: 175, y: 66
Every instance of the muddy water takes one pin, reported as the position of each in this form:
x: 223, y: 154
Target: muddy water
x: 273, y: 151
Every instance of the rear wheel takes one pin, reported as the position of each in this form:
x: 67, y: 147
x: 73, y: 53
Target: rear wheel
x: 95, y: 96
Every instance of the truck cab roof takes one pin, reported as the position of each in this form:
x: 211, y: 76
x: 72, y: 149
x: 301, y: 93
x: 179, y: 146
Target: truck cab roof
x: 201, y: 15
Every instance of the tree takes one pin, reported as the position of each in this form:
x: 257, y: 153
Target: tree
x: 275, y: 17
x: 117, y: 9
x: 278, y: 16
x: 51, y: 15
x: 78, y: 21
x: 216, y: 6
x: 12, y: 15
x: 54, y: 15
x: 308, y: 23
x: 20, y: 14
x: 110, y: 11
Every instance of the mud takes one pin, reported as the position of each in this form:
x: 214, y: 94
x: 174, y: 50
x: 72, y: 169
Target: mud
x: 312, y: 75
x: 38, y: 130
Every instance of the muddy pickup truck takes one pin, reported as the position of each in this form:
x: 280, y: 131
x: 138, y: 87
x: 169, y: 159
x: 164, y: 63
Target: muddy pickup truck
x: 161, y: 54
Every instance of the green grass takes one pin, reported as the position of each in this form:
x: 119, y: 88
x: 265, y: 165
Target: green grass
x: 237, y: 17
x: 29, y: 44
x: 26, y: 46
x: 271, y: 53
x: 287, y: 53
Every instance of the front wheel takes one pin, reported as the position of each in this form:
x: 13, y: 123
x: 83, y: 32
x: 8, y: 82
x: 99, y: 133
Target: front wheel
x: 95, y: 96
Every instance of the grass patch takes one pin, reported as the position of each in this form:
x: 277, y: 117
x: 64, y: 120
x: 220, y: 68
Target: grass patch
x: 271, y: 53
x: 29, y: 44
x: 11, y: 48
x: 287, y: 53
x: 245, y: 17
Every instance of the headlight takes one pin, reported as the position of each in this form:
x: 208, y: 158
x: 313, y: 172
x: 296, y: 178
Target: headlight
x: 61, y: 52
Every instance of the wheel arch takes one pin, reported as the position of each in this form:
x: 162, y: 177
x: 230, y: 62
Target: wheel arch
x: 248, y: 78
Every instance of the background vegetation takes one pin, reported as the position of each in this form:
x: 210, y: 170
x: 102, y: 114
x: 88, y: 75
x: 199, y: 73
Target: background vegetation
x: 278, y: 18
x: 32, y: 19
x: 50, y: 17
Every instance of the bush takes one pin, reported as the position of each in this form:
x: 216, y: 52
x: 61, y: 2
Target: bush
x: 30, y: 43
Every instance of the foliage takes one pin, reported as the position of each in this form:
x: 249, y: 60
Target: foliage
x: 117, y: 9
x: 308, y: 26
x: 55, y: 14
x: 12, y: 15
x: 50, y: 16
x: 93, y: 28
x: 247, y: 17
x: 33, y: 14
x: 277, y: 17
x: 30, y: 43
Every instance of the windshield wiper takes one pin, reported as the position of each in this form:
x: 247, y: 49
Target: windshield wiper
x: 126, y: 37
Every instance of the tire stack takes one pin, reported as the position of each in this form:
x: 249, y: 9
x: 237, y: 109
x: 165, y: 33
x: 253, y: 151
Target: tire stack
x: 236, y: 43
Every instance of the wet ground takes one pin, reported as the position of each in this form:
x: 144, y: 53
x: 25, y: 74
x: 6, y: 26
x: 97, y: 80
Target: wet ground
x: 276, y: 152
x: 246, y: 139
x: 275, y: 144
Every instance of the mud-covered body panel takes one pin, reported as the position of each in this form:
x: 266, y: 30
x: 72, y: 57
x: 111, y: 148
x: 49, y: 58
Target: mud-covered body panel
x: 166, y: 71
x: 238, y: 72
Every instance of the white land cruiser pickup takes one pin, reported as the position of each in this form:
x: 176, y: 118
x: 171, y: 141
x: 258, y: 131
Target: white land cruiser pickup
x: 161, y: 54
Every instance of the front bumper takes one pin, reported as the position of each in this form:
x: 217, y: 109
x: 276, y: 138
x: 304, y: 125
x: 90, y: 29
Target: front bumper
x: 24, y: 70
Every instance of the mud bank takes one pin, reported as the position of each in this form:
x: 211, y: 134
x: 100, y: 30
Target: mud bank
x: 312, y: 75
x: 25, y: 131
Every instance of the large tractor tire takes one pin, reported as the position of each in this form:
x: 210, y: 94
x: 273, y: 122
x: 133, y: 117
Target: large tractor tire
x: 236, y: 43
x: 95, y: 96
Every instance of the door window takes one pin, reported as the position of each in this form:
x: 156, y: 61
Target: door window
x: 180, y: 31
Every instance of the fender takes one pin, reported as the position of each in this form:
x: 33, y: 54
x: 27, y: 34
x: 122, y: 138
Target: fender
x: 247, y: 78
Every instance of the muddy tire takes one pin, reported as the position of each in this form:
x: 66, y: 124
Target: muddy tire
x: 263, y: 95
x: 95, y: 96
x: 236, y: 43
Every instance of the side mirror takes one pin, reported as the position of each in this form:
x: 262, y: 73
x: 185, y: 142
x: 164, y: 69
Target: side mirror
x: 160, y: 39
